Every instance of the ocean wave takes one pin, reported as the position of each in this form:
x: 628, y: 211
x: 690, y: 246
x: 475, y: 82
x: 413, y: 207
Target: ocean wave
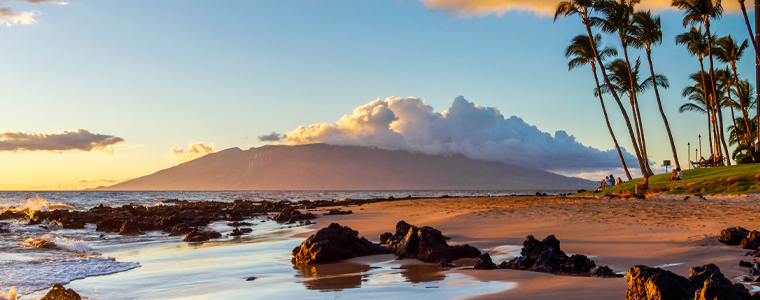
x: 11, y: 295
x: 30, y: 276
x: 56, y: 243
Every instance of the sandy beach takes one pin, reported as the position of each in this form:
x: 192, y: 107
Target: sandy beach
x: 663, y: 231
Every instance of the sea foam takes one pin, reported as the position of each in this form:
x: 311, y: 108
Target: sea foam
x: 30, y: 276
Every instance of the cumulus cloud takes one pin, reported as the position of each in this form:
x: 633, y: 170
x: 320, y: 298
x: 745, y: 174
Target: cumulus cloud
x: 194, y: 151
x: 465, y: 128
x: 79, y: 139
x: 468, y: 8
x: 273, y: 137
x: 10, y: 18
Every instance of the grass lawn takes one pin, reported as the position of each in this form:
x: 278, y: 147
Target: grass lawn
x: 738, y: 179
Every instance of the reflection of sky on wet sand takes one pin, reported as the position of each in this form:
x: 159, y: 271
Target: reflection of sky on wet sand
x: 217, y: 270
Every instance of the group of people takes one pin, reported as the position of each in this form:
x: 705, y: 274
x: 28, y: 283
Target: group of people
x: 677, y: 175
x: 609, y: 181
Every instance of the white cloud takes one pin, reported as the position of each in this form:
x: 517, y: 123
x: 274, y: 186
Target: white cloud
x: 465, y: 128
x: 194, y: 151
x: 10, y: 18
x: 80, y: 139
x: 468, y: 8
x: 273, y: 137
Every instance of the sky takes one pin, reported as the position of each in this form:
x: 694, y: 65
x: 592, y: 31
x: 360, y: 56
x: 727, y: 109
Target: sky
x: 97, y: 92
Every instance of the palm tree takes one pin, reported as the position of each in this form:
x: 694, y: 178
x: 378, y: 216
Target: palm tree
x: 647, y: 29
x: 738, y: 133
x: 696, y: 45
x: 700, y: 12
x: 749, y: 29
x: 729, y: 52
x: 616, y: 18
x: 583, y: 9
x: 700, y: 100
x: 582, y: 53
x: 723, y: 84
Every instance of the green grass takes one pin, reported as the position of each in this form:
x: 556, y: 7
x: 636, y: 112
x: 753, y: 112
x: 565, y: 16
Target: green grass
x: 739, y: 179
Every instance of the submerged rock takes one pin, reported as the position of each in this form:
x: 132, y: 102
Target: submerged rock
x: 58, y: 292
x: 426, y: 244
x: 333, y: 212
x: 334, y: 243
x: 200, y: 236
x: 733, y: 236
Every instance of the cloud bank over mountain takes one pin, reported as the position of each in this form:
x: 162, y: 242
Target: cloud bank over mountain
x: 468, y: 8
x: 466, y: 128
x: 194, y: 151
x: 80, y: 139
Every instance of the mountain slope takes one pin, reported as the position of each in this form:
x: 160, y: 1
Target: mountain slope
x: 327, y: 167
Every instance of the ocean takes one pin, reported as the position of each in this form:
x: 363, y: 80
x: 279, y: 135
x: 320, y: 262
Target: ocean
x: 109, y: 266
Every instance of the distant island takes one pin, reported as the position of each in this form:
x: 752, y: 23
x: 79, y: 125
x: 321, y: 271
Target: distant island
x: 329, y: 167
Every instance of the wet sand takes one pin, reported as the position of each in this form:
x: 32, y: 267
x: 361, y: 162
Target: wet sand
x: 620, y: 233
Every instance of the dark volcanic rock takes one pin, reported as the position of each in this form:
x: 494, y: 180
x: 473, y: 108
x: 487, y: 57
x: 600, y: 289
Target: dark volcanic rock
x: 58, y: 292
x: 332, y: 244
x: 240, y: 231
x: 109, y: 225
x: 485, y: 262
x: 604, y: 271
x: 751, y: 241
x: 546, y: 256
x: 200, y: 236
x: 239, y: 224
x: 130, y: 227
x: 385, y: 238
x: 333, y: 212
x: 292, y: 215
x: 645, y: 283
x: 733, y: 236
x: 426, y: 244
x: 179, y: 229
x: 712, y: 285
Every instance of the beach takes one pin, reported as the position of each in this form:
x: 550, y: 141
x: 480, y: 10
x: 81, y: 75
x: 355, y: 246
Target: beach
x: 670, y: 232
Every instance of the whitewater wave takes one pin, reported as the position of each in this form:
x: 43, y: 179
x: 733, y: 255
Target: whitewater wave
x: 11, y: 295
x: 56, y: 243
x: 30, y: 276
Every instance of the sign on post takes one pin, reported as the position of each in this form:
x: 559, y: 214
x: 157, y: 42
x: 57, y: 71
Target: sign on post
x: 666, y: 163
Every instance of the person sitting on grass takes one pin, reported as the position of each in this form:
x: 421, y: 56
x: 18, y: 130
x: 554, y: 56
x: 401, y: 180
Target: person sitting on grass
x: 619, y: 181
x: 611, y: 180
x: 642, y: 186
x: 677, y: 175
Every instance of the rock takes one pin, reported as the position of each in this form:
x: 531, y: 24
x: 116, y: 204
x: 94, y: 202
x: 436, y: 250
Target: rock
x: 109, y: 225
x: 200, y: 236
x: 755, y: 269
x: 751, y: 241
x: 179, y: 229
x: 484, y: 262
x: 239, y: 224
x: 292, y: 215
x: 58, y: 292
x: 385, y: 238
x: 645, y: 283
x: 246, y: 230
x: 130, y: 227
x: 236, y: 232
x: 334, y: 243
x: 252, y: 278
x: 745, y: 264
x: 604, y: 271
x: 445, y: 264
x: 333, y: 212
x: 426, y: 244
x: 546, y: 256
x: 712, y: 285
x: 733, y: 236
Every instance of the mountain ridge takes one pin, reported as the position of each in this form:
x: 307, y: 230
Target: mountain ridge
x: 330, y: 167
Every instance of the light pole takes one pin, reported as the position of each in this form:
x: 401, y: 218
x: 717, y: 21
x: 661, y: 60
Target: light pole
x: 688, y: 153
x: 700, y: 146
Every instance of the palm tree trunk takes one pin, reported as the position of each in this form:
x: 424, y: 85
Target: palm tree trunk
x: 607, y: 119
x: 749, y: 29
x: 733, y: 118
x: 708, y: 105
x: 745, y: 113
x: 662, y: 112
x: 723, y: 134
x: 712, y: 69
x: 614, y: 93
x: 716, y: 128
x: 635, y: 102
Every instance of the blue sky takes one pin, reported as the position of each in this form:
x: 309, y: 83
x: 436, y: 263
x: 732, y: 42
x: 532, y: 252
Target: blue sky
x: 167, y: 74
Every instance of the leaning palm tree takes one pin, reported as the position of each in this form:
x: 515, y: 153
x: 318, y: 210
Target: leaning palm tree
x: 749, y: 29
x: 616, y: 18
x: 745, y: 96
x: 647, y: 29
x: 582, y: 53
x: 696, y: 45
x: 728, y: 51
x: 700, y: 12
x: 583, y: 9
x: 700, y: 100
x: 723, y: 84
x: 738, y: 134
x: 621, y: 79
